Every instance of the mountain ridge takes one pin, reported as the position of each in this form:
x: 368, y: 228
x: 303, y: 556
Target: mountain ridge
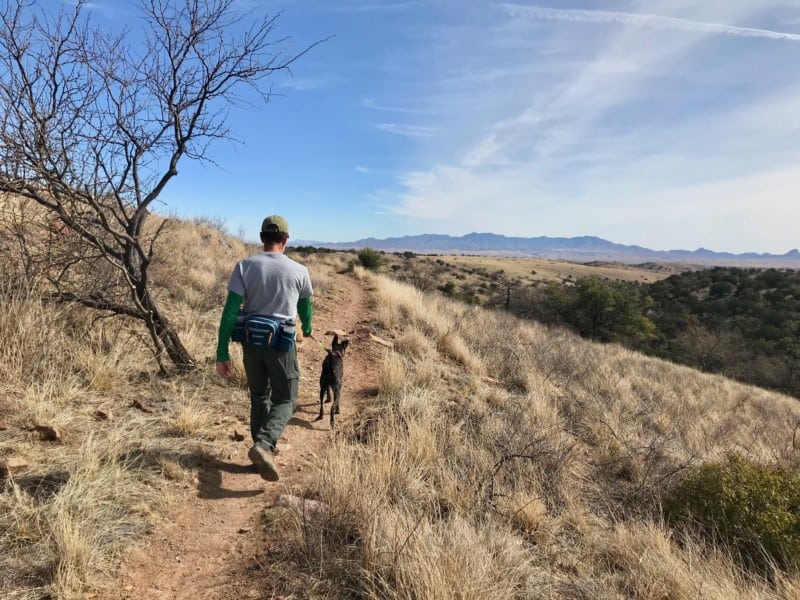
x: 579, y: 249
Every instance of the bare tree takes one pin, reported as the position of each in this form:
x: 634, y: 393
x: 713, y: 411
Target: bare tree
x: 506, y: 286
x: 93, y: 127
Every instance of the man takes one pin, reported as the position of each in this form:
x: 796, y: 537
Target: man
x: 268, y: 284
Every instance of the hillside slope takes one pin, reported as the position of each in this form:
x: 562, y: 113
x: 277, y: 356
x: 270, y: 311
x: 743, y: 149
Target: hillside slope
x: 500, y: 459
x: 489, y: 458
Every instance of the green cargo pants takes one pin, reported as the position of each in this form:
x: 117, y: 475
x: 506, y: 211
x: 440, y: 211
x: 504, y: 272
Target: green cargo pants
x: 272, y: 378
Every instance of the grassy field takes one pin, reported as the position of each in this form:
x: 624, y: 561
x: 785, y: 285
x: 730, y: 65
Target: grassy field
x: 484, y: 279
x: 536, y: 269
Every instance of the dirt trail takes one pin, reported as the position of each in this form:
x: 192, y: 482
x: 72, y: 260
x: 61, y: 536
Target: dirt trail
x: 205, y: 547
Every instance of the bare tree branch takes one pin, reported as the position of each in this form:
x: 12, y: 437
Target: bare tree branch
x: 93, y: 130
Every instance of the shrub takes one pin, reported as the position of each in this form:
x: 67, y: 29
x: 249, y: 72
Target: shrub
x: 753, y: 510
x: 371, y: 259
x: 447, y: 288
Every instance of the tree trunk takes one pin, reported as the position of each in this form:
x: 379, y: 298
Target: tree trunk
x: 167, y: 336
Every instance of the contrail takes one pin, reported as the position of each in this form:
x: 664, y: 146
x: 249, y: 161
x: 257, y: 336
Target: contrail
x: 642, y: 20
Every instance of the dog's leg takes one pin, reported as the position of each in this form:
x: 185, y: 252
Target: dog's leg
x: 335, y: 405
x: 337, y: 389
x: 321, y: 397
x: 332, y: 405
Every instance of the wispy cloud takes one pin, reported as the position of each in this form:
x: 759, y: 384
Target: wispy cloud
x: 641, y: 133
x: 643, y: 20
x: 362, y: 169
x: 407, y: 130
x: 373, y: 104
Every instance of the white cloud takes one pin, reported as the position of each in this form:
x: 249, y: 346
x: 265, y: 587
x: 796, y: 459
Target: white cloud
x: 738, y: 214
x: 414, y: 131
x: 644, y: 20
x: 375, y: 105
x: 655, y: 132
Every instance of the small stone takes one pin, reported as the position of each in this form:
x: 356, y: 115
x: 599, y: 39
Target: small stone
x: 302, y: 505
x: 12, y: 466
x: 237, y: 436
x: 245, y: 530
x: 49, y: 433
x: 3, y: 426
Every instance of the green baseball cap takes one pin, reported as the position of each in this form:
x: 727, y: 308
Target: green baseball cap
x: 275, y: 224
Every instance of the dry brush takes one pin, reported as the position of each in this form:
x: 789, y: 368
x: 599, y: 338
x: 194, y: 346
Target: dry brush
x: 503, y: 459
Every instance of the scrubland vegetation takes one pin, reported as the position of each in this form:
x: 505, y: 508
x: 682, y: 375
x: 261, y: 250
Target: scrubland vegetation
x: 503, y: 459
x: 741, y: 323
x: 495, y: 458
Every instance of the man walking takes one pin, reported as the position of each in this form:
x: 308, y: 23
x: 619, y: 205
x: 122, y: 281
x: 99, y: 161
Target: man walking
x: 268, y: 284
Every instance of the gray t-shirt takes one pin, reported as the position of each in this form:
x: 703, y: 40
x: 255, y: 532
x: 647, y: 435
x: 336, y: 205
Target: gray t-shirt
x: 271, y: 284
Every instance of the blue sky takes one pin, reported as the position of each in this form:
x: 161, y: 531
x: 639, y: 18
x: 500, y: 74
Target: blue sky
x: 668, y: 124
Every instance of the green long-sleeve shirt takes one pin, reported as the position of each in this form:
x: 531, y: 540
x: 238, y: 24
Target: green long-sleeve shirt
x: 231, y: 311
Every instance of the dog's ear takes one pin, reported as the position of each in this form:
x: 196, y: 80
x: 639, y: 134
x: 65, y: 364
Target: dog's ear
x: 335, y: 339
x: 344, y: 345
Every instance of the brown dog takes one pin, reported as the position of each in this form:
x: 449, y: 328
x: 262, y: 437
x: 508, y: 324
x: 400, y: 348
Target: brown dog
x: 332, y: 376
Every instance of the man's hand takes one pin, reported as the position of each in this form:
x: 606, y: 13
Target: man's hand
x: 224, y: 369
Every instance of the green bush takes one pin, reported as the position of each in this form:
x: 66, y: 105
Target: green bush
x: 371, y: 259
x: 753, y: 510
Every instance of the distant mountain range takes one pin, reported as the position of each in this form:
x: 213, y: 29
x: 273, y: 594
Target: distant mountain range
x: 577, y: 249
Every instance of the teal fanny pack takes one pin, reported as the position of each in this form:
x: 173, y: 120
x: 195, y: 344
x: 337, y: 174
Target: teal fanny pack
x: 264, y: 332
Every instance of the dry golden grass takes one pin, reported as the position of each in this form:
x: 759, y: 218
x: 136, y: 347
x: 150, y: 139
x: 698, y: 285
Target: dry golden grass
x: 66, y: 518
x: 530, y: 466
x: 194, y: 419
x: 484, y: 280
x: 63, y: 530
x: 538, y: 269
x: 499, y: 459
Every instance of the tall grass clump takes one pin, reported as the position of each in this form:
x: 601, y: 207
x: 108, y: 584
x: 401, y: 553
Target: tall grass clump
x: 371, y: 259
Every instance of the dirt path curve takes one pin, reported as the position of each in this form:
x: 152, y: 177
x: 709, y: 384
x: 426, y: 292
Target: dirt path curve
x: 207, y: 543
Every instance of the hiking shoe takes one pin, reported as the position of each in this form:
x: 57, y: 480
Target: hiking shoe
x: 262, y: 459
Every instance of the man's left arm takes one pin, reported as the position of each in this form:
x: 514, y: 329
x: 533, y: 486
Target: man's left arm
x: 305, y: 311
